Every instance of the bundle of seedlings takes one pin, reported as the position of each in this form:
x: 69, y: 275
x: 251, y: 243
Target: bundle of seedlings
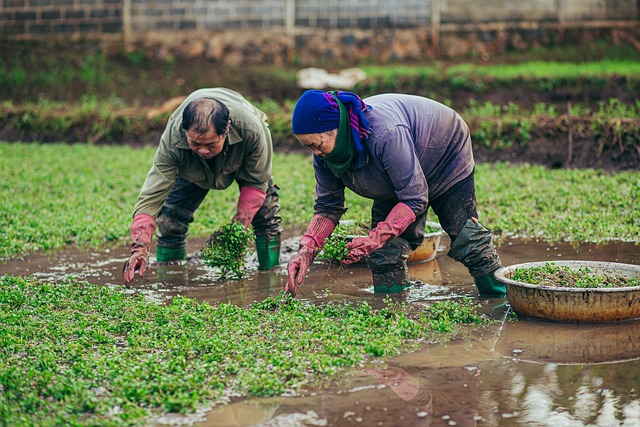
x: 335, y: 246
x: 227, y: 248
x: 567, y: 277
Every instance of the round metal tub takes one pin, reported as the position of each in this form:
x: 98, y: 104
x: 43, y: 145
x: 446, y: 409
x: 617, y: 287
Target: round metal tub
x: 565, y: 304
x: 426, y: 251
x: 429, y: 247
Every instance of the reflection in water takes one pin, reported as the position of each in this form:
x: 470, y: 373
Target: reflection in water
x: 242, y: 414
x: 559, y: 395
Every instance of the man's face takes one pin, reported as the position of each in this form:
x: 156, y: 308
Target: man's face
x: 320, y: 143
x: 206, y: 145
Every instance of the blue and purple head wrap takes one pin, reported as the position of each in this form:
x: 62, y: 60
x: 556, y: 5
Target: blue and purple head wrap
x: 318, y: 111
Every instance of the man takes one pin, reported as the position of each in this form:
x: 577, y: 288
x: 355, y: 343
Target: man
x: 214, y: 138
x: 406, y: 153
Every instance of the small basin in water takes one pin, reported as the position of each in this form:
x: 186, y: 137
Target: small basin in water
x: 429, y: 247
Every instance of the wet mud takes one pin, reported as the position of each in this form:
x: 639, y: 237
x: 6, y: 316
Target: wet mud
x: 512, y: 373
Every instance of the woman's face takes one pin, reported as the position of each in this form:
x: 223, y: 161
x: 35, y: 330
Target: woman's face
x: 321, y: 144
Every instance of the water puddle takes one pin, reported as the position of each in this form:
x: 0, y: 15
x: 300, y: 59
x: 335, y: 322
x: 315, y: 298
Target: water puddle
x: 526, y: 372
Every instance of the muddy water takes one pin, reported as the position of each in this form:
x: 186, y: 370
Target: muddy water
x: 522, y: 373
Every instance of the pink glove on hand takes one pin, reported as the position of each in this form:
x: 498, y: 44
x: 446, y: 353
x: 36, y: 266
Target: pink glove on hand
x: 141, y: 231
x: 319, y: 229
x: 250, y: 201
x: 400, y: 217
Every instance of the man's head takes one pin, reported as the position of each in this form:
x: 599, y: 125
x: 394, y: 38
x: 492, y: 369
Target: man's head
x: 207, y: 124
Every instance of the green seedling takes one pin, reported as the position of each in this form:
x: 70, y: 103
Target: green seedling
x: 564, y: 276
x: 335, y: 247
x: 88, y: 205
x: 429, y: 229
x: 227, y: 249
x: 74, y: 353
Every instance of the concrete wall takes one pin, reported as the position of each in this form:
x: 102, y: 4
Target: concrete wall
x: 316, y: 31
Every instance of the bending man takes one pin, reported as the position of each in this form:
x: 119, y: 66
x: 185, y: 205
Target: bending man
x: 214, y: 138
x: 406, y: 153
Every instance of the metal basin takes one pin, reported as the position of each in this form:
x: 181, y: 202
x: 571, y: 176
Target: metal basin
x: 426, y: 251
x: 429, y: 247
x: 565, y: 304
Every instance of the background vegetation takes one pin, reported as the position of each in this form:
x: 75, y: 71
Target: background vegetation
x: 520, y: 106
x: 58, y: 194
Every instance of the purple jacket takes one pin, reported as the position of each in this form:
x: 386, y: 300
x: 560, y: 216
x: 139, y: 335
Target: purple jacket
x: 418, y: 149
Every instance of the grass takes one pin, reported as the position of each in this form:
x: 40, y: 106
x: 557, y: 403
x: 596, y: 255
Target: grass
x: 78, y: 354
x: 52, y: 195
x: 564, y: 204
x: 525, y: 70
x: 613, y: 123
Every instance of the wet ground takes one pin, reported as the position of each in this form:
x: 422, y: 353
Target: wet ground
x: 513, y: 373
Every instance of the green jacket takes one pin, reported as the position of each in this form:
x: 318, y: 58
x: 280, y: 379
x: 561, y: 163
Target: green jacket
x: 245, y: 158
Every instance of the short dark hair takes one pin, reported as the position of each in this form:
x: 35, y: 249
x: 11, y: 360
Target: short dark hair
x: 200, y: 114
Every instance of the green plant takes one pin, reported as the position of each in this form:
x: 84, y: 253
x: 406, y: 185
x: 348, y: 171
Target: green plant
x: 227, y: 249
x: 335, y: 247
x: 565, y: 276
x: 74, y: 353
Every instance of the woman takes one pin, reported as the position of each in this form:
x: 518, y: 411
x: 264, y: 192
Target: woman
x: 406, y: 153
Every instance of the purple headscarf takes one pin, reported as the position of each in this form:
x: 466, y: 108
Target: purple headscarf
x: 318, y: 111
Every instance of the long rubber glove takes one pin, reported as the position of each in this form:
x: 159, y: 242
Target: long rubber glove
x: 141, y: 231
x: 400, y: 217
x: 250, y: 201
x: 312, y: 241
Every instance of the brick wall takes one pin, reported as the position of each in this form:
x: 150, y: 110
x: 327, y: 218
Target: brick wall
x: 36, y: 18
x: 362, y: 13
x: 176, y: 15
x: 41, y: 18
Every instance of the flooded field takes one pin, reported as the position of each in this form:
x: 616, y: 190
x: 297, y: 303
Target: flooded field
x: 513, y: 373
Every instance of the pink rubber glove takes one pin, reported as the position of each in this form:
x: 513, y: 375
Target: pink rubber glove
x: 318, y: 230
x: 400, y: 217
x: 249, y: 203
x: 141, y: 231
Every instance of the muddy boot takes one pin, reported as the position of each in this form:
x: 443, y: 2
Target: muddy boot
x: 268, y: 251
x: 173, y: 227
x: 473, y: 248
x: 488, y: 286
x: 167, y: 255
x: 389, y: 266
x: 391, y: 280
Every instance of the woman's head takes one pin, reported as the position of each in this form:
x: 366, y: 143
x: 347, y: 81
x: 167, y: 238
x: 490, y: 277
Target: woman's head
x: 316, y: 118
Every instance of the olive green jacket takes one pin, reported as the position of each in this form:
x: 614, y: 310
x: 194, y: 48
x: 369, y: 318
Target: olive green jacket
x: 245, y: 158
